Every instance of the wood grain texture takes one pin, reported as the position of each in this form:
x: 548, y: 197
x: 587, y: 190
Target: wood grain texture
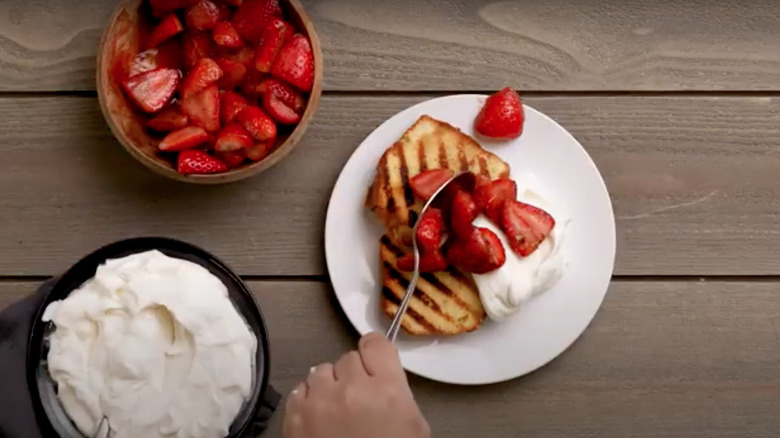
x: 458, y: 44
x: 693, y: 183
x: 677, y: 359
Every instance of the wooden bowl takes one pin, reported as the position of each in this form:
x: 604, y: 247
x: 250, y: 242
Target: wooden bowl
x: 121, y: 42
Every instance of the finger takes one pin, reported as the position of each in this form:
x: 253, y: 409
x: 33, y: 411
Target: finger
x: 293, y: 417
x: 349, y: 367
x: 321, y: 379
x: 379, y: 356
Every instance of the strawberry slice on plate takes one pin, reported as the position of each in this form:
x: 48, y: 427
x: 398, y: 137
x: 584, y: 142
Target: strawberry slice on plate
x: 168, y: 120
x: 230, y: 104
x: 152, y: 90
x: 464, y: 211
x: 295, y: 63
x: 205, y: 73
x: 233, y: 137
x: 206, y: 14
x: 432, y: 261
x: 275, y: 34
x: 430, y: 230
x: 257, y: 123
x: 491, y: 195
x: 185, y: 138
x: 525, y: 226
x: 225, y: 35
x: 425, y: 184
x: 502, y: 115
x: 198, y: 162
x: 168, y: 27
x: 203, y: 108
x: 280, y: 112
x: 479, y: 253
x: 253, y: 16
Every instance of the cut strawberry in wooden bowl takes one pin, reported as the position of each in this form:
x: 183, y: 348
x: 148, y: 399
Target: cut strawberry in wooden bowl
x: 234, y: 84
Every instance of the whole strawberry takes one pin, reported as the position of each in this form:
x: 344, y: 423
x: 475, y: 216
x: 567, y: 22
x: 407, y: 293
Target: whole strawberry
x: 502, y: 116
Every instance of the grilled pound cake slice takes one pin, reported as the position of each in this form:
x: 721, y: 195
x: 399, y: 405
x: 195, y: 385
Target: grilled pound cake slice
x: 428, y: 144
x: 444, y: 303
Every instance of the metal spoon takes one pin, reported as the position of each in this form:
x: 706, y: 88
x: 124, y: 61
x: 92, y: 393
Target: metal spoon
x: 392, y: 332
x: 102, y: 429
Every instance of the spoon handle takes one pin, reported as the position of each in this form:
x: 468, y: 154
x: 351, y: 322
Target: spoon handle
x: 392, y: 332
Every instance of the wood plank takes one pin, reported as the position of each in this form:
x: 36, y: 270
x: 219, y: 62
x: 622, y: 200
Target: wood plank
x: 692, y: 359
x: 458, y: 44
x: 693, y: 182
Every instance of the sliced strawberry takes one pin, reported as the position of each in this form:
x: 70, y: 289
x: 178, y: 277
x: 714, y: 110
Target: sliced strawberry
x: 257, y: 123
x: 185, y: 138
x: 253, y: 16
x: 152, y: 90
x: 162, y: 6
x: 525, y: 226
x: 167, y: 28
x: 274, y: 36
x: 464, y: 211
x: 252, y: 87
x: 429, y: 262
x: 168, y: 120
x: 259, y: 151
x: 225, y: 35
x: 232, y: 138
x: 233, y: 73
x: 196, y: 46
x: 425, y: 184
x: 479, y: 252
x: 244, y: 55
x: 295, y: 63
x: 205, y: 73
x: 280, y: 112
x: 502, y: 115
x: 287, y: 94
x: 490, y: 196
x: 198, y: 162
x: 430, y: 230
x: 232, y: 159
x: 230, y: 104
x: 203, y: 108
x: 205, y: 15
x: 144, y: 62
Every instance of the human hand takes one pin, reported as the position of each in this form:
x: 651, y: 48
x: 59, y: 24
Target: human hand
x: 364, y: 394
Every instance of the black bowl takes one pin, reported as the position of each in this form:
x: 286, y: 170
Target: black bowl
x: 50, y: 414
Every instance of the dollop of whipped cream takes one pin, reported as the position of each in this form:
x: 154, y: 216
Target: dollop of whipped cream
x: 154, y: 344
x: 505, y: 290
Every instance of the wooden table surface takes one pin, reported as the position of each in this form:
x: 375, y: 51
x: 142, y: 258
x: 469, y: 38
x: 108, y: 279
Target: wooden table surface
x: 677, y: 103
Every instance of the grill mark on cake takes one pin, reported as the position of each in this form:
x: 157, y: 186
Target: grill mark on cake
x: 484, y: 169
x: 421, y: 156
x: 418, y: 293
x: 441, y: 151
x: 438, y: 284
x: 390, y: 296
x: 408, y: 194
x: 421, y: 320
x: 464, y: 161
x: 384, y: 167
x: 398, y: 252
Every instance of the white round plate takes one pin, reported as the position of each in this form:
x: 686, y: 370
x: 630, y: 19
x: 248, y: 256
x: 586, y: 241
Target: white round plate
x: 549, y: 323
